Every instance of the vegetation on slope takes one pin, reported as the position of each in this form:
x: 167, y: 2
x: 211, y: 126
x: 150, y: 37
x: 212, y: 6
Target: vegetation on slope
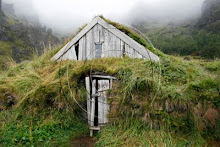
x: 183, y: 40
x: 191, y: 37
x: 19, y: 41
x: 38, y: 102
x: 38, y: 107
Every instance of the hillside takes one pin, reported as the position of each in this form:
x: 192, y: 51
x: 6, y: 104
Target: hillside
x: 20, y: 41
x: 36, y: 96
x: 41, y: 101
x: 192, y: 37
x: 210, y: 18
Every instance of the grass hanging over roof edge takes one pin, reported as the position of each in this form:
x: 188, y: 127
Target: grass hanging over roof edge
x: 135, y: 36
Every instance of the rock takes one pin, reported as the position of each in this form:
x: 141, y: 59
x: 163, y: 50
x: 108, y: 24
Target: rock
x: 26, y: 39
x: 210, y: 15
x: 169, y: 107
x: 14, y: 53
x: 7, y: 100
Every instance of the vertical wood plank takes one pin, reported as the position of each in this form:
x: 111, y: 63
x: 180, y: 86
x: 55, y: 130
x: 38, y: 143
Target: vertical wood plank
x: 96, y: 33
x: 92, y: 44
x: 81, y: 44
x: 110, y: 86
x: 131, y: 50
x: 88, y: 99
x: 114, y: 46
x: 109, y: 44
x: 122, y: 49
x: 93, y: 102
x: 88, y: 45
x: 127, y: 50
x: 84, y: 48
x: 100, y: 103
x: 118, y: 47
x: 69, y: 55
x: 106, y: 106
x: 101, y: 30
x: 106, y: 43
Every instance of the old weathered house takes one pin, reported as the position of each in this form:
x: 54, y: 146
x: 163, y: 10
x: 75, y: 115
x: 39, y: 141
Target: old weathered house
x: 100, y: 39
x: 97, y: 40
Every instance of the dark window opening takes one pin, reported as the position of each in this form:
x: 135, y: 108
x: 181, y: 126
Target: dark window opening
x: 98, y: 50
x: 123, y: 51
x: 77, y: 50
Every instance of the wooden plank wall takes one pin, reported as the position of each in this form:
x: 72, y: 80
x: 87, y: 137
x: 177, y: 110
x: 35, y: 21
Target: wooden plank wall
x: 88, y: 89
x: 93, y: 103
x: 112, y: 46
x: 69, y: 55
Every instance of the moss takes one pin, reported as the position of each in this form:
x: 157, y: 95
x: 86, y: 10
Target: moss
x: 133, y: 35
x: 5, y: 48
x: 41, y: 85
x: 10, y: 20
x: 140, y: 93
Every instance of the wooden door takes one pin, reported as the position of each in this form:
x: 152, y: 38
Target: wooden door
x: 103, y: 107
x: 97, y: 103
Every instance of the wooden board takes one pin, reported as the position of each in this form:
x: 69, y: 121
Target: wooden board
x: 103, y: 107
x: 70, y: 55
x: 111, y: 37
x: 93, y: 103
x: 87, y: 79
x: 82, y: 48
x: 103, y: 77
x: 133, y: 44
x: 101, y: 33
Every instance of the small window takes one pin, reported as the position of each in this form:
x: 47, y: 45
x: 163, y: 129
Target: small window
x: 98, y: 50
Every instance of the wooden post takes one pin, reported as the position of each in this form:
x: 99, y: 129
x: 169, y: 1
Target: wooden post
x: 88, y: 99
x: 100, y: 102
x: 93, y: 106
x: 110, y: 84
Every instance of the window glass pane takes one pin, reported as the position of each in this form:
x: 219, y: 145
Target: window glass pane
x: 98, y: 50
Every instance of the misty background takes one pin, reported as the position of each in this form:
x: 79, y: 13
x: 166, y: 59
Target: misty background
x: 65, y: 16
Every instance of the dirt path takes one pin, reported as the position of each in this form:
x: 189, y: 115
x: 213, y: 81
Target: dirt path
x: 83, y: 142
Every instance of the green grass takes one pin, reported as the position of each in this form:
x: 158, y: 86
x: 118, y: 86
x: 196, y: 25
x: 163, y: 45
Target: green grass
x: 145, y: 107
x: 41, y: 92
x: 46, y: 129
x: 137, y: 133
x: 184, y: 40
x: 5, y: 48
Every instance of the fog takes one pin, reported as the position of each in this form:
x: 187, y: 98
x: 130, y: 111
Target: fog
x: 67, y: 15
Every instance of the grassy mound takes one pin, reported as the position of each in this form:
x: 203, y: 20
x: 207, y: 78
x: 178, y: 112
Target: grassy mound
x: 174, y: 103
x: 38, y: 107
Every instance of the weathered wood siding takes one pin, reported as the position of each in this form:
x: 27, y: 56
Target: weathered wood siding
x: 112, y: 46
x: 115, y: 43
x: 69, y: 55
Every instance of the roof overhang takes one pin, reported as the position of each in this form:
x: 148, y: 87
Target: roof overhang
x: 97, y: 20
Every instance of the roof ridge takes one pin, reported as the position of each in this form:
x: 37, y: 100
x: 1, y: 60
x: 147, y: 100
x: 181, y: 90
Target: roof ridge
x: 121, y: 35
